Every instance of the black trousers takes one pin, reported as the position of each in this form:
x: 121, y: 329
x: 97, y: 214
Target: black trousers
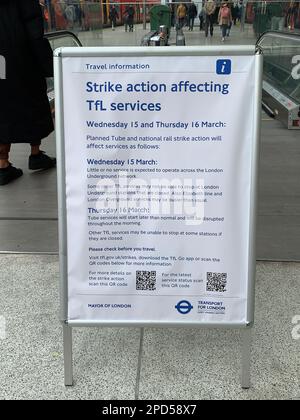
x: 209, y: 24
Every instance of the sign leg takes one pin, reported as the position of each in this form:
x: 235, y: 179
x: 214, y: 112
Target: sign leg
x: 68, y: 356
x: 246, y: 358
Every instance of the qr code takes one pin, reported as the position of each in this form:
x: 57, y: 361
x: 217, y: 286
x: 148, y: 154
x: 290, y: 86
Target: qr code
x: 146, y: 280
x: 216, y: 282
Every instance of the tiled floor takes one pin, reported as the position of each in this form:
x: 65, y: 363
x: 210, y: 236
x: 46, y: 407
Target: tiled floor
x: 180, y: 363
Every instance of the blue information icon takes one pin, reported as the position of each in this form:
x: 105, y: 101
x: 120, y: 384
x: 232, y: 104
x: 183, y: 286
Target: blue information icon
x: 184, y: 307
x: 223, y: 66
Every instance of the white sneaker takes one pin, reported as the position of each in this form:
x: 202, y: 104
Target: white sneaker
x: 223, y: 39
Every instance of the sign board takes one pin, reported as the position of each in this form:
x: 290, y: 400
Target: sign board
x: 157, y: 153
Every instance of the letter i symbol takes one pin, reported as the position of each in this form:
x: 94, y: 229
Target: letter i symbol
x: 223, y: 67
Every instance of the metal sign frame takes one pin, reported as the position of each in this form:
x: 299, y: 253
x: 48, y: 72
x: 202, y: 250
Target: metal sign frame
x: 120, y: 52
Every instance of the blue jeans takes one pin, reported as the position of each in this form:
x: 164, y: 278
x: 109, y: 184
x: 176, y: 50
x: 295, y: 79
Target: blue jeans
x: 224, y: 30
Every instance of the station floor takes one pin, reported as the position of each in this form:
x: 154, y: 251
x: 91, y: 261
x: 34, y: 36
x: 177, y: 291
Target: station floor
x: 150, y: 363
x: 166, y: 364
x: 119, y: 37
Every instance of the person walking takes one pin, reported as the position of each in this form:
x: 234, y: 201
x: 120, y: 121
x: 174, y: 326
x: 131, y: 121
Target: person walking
x: 181, y: 15
x: 192, y: 13
x: 230, y: 6
x: 201, y: 19
x: 69, y: 14
x: 113, y: 16
x: 276, y: 11
x: 225, y: 19
x: 291, y: 15
x: 209, y: 10
x: 25, y: 115
x: 130, y: 17
x: 242, y: 14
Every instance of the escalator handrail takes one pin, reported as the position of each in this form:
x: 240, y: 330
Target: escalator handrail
x: 63, y: 34
x: 278, y: 34
x: 295, y: 36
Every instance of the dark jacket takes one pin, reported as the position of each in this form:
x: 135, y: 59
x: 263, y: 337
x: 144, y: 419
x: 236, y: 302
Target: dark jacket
x: 192, y: 11
x: 24, y: 108
x: 130, y: 14
x: 113, y: 15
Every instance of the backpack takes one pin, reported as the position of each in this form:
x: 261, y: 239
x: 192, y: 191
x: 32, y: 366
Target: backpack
x: 130, y: 11
x: 225, y: 12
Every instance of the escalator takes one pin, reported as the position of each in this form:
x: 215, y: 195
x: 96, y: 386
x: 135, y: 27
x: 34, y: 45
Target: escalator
x: 59, y: 39
x: 281, y: 76
x: 278, y: 231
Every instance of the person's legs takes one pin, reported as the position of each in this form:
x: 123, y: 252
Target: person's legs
x: 206, y: 24
x: 201, y: 24
x: 211, y: 24
x: 192, y: 23
x: 228, y: 29
x: 224, y: 31
x: 131, y: 25
x: 38, y: 159
x: 275, y: 23
x: 281, y: 24
x: 7, y: 172
x: 35, y: 147
x: 292, y: 24
x: 4, y: 155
